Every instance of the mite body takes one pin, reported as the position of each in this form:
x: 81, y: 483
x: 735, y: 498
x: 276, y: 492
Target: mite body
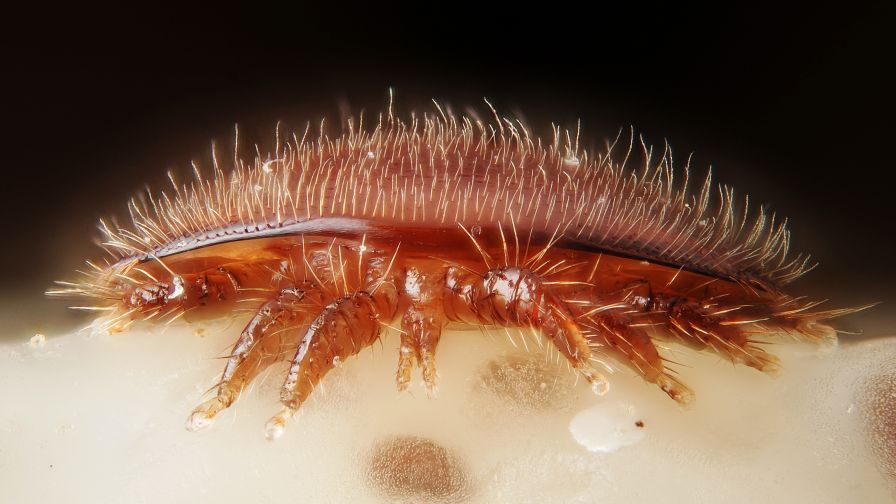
x: 448, y: 220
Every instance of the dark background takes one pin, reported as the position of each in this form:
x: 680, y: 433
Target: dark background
x: 792, y: 105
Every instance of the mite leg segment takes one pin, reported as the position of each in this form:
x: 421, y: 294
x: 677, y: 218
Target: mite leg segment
x: 518, y: 297
x: 724, y: 329
x: 421, y: 327
x: 634, y: 346
x: 342, y: 329
x: 178, y: 294
x: 263, y: 341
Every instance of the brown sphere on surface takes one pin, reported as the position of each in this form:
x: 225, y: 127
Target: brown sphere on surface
x: 416, y: 469
x: 878, y: 403
x: 526, y: 383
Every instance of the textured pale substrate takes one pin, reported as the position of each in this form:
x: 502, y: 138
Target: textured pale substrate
x: 101, y: 419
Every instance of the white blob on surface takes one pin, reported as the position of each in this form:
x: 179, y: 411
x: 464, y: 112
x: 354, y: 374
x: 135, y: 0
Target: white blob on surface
x: 607, y: 427
x: 37, y: 341
x: 102, y: 420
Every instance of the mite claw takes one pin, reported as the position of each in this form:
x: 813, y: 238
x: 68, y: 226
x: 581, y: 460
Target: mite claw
x: 599, y: 383
x: 676, y: 390
x: 273, y: 430
x: 198, y: 420
x: 600, y: 387
x: 203, y: 415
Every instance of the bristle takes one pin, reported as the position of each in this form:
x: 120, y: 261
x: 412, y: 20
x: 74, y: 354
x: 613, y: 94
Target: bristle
x: 474, y: 171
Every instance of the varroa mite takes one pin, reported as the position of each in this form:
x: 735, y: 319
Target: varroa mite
x: 452, y: 219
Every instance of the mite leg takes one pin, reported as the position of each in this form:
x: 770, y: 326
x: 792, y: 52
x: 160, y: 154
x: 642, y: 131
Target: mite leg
x: 177, y: 294
x: 407, y: 352
x: 262, y: 342
x: 518, y: 297
x: 723, y: 329
x: 634, y: 346
x: 421, y: 328
x: 342, y: 329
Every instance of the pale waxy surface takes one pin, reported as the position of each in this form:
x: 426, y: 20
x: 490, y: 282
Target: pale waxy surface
x: 101, y: 419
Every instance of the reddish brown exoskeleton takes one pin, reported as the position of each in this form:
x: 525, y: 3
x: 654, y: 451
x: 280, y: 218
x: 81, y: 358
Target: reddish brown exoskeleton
x: 452, y: 220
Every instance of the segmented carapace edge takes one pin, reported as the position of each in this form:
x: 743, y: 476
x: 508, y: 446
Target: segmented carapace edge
x: 448, y: 219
